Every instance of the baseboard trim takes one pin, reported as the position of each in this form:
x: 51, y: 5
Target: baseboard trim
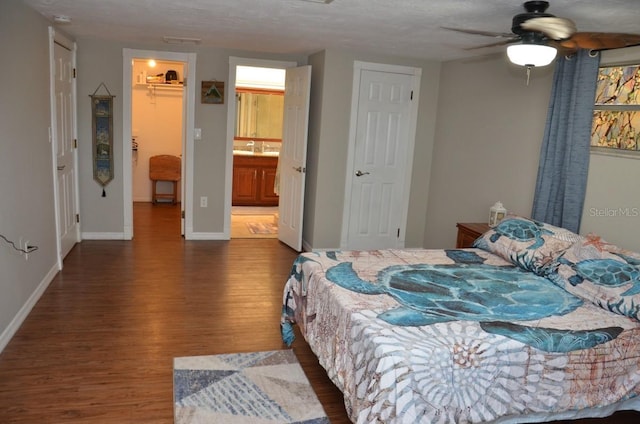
x: 103, y: 236
x: 22, y: 314
x: 306, y: 246
x: 207, y: 236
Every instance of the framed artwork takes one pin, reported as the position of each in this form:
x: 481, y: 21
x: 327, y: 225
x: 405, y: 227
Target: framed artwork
x: 102, y: 134
x: 616, y: 115
x: 212, y: 92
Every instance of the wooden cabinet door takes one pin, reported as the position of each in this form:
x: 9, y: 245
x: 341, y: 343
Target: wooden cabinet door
x: 268, y: 178
x: 245, y: 186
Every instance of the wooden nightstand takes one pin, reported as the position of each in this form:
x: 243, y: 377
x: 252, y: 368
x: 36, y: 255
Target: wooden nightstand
x: 468, y: 232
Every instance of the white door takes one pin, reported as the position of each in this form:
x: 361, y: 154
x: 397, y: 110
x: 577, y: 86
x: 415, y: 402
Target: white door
x: 293, y: 155
x: 64, y: 145
x: 383, y: 139
x: 183, y: 171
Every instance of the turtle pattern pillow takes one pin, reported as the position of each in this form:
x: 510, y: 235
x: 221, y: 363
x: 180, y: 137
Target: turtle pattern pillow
x: 601, y: 273
x: 529, y: 244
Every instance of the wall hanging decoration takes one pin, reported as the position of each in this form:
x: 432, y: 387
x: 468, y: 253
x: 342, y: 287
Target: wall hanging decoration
x: 102, y: 132
x: 212, y: 92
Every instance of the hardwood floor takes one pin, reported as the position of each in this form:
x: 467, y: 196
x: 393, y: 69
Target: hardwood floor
x: 98, y: 346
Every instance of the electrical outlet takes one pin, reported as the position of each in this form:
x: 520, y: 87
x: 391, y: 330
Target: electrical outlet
x: 25, y: 247
x: 204, y: 200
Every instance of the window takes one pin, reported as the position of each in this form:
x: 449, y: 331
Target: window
x: 616, y: 115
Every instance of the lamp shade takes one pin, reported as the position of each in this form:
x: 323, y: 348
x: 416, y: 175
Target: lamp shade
x: 531, y: 54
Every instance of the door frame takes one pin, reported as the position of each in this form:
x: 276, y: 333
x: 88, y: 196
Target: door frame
x: 231, y: 124
x: 188, y: 106
x: 416, y: 74
x: 61, y: 39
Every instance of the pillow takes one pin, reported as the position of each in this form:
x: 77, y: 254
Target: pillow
x: 601, y: 273
x: 529, y: 244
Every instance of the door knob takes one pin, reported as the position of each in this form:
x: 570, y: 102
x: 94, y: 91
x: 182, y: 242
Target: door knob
x: 61, y: 167
x: 359, y: 173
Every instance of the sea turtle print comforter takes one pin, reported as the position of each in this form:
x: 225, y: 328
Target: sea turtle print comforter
x: 458, y: 336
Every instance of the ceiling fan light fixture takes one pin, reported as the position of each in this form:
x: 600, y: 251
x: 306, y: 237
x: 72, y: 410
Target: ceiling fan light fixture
x: 531, y: 55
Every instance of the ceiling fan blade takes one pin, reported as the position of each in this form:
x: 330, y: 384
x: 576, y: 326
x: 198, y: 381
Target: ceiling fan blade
x: 552, y: 27
x: 601, y: 40
x: 478, y: 32
x: 562, y: 49
x: 498, y: 43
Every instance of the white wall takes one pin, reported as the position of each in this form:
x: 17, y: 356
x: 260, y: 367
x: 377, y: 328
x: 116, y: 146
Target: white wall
x: 612, y: 203
x: 488, y: 136
x: 156, y: 124
x: 26, y: 168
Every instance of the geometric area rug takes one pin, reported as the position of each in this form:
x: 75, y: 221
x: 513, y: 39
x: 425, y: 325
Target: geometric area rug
x: 244, y: 388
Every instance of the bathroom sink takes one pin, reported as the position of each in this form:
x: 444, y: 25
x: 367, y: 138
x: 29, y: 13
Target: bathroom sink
x: 250, y: 153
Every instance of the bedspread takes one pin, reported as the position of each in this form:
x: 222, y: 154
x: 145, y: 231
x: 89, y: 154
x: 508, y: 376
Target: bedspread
x: 458, y: 336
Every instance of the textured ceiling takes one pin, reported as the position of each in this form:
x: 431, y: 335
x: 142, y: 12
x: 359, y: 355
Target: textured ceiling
x: 410, y: 28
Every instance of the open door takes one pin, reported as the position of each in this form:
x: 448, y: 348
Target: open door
x: 63, y: 136
x: 183, y: 171
x: 293, y: 155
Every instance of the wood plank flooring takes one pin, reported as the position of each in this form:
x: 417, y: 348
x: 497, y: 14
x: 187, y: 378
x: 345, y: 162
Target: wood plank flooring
x: 98, y: 346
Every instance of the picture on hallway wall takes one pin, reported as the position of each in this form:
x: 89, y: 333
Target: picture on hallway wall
x: 212, y: 92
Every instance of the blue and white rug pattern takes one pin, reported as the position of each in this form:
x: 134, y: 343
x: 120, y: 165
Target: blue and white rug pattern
x: 244, y: 388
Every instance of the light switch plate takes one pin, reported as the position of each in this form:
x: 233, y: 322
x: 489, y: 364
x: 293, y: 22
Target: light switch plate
x: 197, y: 133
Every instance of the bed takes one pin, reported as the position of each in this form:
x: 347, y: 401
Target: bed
x: 533, y: 324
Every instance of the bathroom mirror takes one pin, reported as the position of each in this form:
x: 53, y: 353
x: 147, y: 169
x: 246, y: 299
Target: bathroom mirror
x: 259, y: 114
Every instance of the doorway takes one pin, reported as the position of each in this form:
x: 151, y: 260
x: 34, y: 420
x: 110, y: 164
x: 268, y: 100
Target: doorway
x: 256, y: 146
x: 156, y: 129
x: 254, y: 135
x: 151, y: 87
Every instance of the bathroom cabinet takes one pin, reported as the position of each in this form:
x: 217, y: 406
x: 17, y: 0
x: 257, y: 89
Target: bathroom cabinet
x: 253, y: 180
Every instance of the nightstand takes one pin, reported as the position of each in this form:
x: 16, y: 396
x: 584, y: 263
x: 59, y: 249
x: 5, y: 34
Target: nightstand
x: 468, y: 232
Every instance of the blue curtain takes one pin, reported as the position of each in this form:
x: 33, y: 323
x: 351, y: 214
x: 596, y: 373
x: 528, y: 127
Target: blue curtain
x: 564, y: 156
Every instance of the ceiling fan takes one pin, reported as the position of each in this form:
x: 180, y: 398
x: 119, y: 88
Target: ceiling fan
x: 536, y: 36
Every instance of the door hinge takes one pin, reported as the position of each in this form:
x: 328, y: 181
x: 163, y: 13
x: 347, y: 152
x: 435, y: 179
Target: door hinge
x: 75, y: 143
x: 182, y: 214
x: 74, y: 72
x: 78, y: 218
x: 398, y: 233
x: 411, y: 94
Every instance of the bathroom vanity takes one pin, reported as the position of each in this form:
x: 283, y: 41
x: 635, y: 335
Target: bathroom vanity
x: 254, y: 176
